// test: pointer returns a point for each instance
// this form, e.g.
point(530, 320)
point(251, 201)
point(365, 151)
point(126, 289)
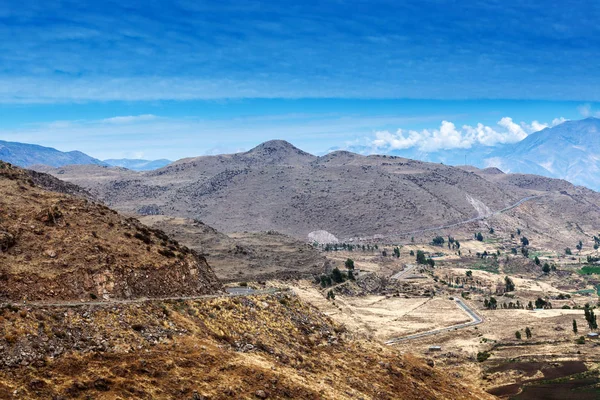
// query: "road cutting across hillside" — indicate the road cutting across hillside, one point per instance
point(453, 225)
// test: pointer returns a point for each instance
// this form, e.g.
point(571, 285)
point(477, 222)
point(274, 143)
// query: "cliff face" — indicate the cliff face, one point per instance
point(55, 246)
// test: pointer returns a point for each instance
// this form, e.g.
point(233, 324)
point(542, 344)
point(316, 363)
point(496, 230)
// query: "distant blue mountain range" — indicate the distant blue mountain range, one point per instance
point(138, 165)
point(27, 155)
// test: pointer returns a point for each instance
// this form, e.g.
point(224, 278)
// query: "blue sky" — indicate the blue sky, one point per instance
point(181, 78)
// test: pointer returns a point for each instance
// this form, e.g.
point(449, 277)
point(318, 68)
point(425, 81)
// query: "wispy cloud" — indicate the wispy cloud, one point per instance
point(67, 51)
point(586, 111)
point(129, 119)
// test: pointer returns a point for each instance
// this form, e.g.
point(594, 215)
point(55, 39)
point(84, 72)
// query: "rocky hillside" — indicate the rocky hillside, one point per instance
point(258, 347)
point(55, 246)
point(279, 187)
point(244, 256)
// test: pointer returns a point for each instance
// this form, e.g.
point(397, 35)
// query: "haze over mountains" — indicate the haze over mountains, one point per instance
point(567, 151)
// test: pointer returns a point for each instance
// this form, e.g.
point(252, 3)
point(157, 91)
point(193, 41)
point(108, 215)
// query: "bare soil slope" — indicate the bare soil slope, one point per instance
point(243, 256)
point(60, 247)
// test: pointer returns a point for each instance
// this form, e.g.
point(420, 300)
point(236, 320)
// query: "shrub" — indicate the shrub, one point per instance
point(483, 355)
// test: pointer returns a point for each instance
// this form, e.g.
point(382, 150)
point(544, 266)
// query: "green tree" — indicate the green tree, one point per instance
point(574, 326)
point(330, 295)
point(469, 273)
point(546, 268)
point(336, 276)
point(421, 257)
point(431, 262)
point(524, 241)
point(510, 285)
point(349, 264)
point(479, 236)
point(537, 260)
point(528, 333)
point(351, 275)
point(397, 252)
point(518, 335)
point(568, 251)
point(438, 241)
point(491, 231)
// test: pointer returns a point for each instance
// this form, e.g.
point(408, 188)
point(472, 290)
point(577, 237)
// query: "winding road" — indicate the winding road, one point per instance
point(455, 224)
point(476, 320)
point(110, 303)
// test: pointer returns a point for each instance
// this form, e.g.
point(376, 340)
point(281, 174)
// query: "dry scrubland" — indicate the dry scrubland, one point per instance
point(56, 248)
point(251, 347)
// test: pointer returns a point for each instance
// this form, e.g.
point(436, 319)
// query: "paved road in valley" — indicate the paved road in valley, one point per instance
point(403, 273)
point(476, 320)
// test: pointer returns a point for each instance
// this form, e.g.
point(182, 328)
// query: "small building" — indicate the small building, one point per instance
point(435, 348)
point(592, 335)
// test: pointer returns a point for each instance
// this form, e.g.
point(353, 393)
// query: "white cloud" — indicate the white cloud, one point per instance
point(129, 119)
point(447, 136)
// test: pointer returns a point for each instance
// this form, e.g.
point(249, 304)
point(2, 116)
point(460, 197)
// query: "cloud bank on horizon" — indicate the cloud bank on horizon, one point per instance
point(448, 137)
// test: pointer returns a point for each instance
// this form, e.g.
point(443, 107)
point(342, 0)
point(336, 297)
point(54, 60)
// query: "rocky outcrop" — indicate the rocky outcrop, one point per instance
point(55, 246)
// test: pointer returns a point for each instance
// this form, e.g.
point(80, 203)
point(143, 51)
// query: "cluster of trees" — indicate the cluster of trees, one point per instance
point(347, 247)
point(590, 317)
point(485, 254)
point(492, 304)
point(336, 276)
point(596, 242)
point(453, 244)
point(438, 241)
point(421, 259)
point(528, 333)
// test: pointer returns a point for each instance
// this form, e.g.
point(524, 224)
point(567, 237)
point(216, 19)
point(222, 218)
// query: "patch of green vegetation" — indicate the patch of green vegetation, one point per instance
point(590, 270)
point(486, 265)
point(546, 254)
point(583, 291)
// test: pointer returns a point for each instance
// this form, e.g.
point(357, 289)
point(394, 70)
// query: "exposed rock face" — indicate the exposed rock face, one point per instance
point(322, 237)
point(60, 247)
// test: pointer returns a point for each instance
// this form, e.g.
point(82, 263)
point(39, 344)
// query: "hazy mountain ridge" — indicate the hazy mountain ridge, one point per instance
point(25, 155)
point(568, 151)
point(137, 164)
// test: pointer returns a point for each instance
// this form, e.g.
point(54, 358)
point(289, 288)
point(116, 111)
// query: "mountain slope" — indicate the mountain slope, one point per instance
point(137, 164)
point(346, 194)
point(25, 155)
point(59, 247)
point(568, 151)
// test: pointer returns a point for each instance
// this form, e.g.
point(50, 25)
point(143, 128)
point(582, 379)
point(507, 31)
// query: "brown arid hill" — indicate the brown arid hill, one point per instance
point(257, 347)
point(279, 187)
point(244, 256)
point(55, 246)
